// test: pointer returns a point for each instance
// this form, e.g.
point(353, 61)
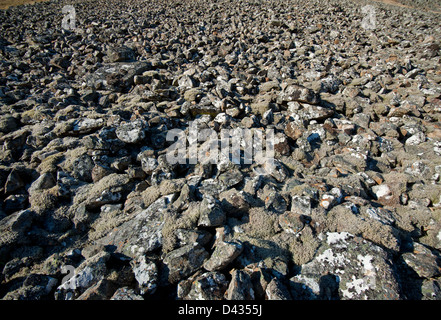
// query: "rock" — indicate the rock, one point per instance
point(35, 287)
point(276, 290)
point(382, 191)
point(224, 253)
point(14, 203)
point(45, 181)
point(116, 76)
point(146, 274)
point(299, 93)
point(184, 261)
point(89, 273)
point(293, 130)
point(148, 162)
point(363, 270)
point(102, 290)
point(431, 289)
point(14, 230)
point(125, 293)
point(208, 286)
point(291, 222)
point(108, 190)
point(8, 124)
point(13, 182)
point(132, 132)
point(211, 213)
point(240, 287)
point(84, 117)
point(424, 262)
point(142, 234)
point(120, 54)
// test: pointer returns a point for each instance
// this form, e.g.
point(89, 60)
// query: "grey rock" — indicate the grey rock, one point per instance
point(276, 290)
point(86, 275)
point(208, 286)
point(363, 270)
point(13, 182)
point(240, 287)
point(299, 93)
point(116, 76)
point(211, 213)
point(423, 261)
point(120, 54)
point(126, 293)
point(8, 124)
point(184, 261)
point(132, 132)
point(35, 287)
point(142, 234)
point(224, 253)
point(146, 274)
point(431, 289)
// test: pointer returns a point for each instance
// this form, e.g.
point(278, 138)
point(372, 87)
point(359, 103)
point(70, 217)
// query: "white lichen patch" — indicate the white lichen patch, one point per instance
point(335, 260)
point(355, 288)
point(337, 238)
point(366, 262)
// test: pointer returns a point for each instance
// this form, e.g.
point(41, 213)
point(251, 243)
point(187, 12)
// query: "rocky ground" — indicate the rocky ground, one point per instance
point(91, 209)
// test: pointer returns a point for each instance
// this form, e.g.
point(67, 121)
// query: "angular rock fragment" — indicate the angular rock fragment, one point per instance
point(184, 261)
point(363, 269)
point(224, 253)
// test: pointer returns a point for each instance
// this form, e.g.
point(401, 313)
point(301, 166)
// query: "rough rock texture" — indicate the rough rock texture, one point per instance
point(91, 207)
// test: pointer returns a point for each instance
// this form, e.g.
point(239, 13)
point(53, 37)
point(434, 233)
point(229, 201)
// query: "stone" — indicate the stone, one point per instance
point(211, 213)
point(363, 270)
point(240, 287)
point(126, 293)
point(291, 222)
point(298, 93)
point(132, 132)
point(184, 261)
point(431, 289)
point(86, 275)
point(423, 261)
point(140, 235)
point(208, 286)
point(13, 182)
point(224, 253)
point(120, 54)
point(276, 290)
point(146, 274)
point(35, 287)
point(8, 124)
point(117, 76)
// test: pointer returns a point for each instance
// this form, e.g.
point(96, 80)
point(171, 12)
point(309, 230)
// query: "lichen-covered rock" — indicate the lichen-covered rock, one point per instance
point(141, 234)
point(125, 293)
point(224, 253)
point(240, 287)
point(184, 261)
point(86, 275)
point(211, 213)
point(363, 269)
point(208, 286)
point(146, 274)
point(423, 261)
point(132, 132)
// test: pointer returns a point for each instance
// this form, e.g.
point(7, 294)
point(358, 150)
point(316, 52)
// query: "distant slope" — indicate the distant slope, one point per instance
point(4, 4)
